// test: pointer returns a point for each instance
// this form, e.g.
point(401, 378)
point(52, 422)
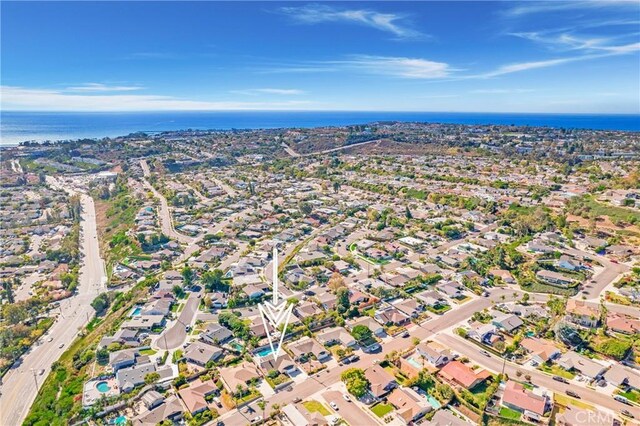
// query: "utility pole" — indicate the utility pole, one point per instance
point(35, 378)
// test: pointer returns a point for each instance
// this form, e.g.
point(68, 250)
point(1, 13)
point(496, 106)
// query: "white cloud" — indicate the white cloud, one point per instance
point(567, 41)
point(533, 7)
point(269, 91)
point(27, 99)
point(397, 66)
point(99, 87)
point(387, 22)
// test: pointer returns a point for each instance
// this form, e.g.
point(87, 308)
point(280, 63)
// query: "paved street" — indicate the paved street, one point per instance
point(495, 364)
point(175, 336)
point(166, 222)
point(326, 378)
point(19, 384)
point(350, 411)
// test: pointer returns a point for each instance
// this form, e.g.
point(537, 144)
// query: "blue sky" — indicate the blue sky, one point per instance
point(576, 57)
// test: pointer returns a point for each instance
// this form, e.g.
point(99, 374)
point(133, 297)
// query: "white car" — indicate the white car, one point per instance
point(256, 419)
point(346, 397)
point(61, 345)
point(334, 405)
point(50, 339)
point(41, 372)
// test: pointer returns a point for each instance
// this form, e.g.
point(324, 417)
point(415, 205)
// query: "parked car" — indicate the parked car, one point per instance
point(256, 419)
point(622, 399)
point(405, 334)
point(354, 358)
point(572, 394)
point(334, 405)
point(560, 379)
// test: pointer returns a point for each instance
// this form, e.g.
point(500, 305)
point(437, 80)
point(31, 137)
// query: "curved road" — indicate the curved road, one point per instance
point(166, 223)
point(175, 336)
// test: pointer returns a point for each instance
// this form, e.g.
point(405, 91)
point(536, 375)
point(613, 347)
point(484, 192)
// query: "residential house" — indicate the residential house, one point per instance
point(306, 347)
point(502, 274)
point(409, 405)
point(368, 322)
point(451, 289)
point(194, 395)
point(409, 307)
point(391, 316)
point(583, 313)
point(572, 361)
point(171, 409)
point(623, 324)
point(381, 381)
point(436, 354)
point(506, 322)
point(532, 405)
point(216, 334)
point(541, 350)
point(122, 359)
point(460, 374)
point(336, 335)
point(201, 353)
point(554, 278)
point(283, 364)
point(447, 418)
point(482, 332)
point(239, 376)
point(621, 376)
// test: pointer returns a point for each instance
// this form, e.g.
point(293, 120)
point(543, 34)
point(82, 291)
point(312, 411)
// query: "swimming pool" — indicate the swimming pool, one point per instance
point(103, 387)
point(136, 311)
point(122, 420)
point(414, 363)
point(433, 402)
point(264, 352)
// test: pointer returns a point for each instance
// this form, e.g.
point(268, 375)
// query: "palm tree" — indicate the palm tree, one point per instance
point(262, 404)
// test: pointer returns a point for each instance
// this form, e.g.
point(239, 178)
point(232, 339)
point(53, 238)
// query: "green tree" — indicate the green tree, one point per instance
point(188, 275)
point(343, 300)
point(361, 333)
point(101, 303)
point(151, 378)
point(356, 382)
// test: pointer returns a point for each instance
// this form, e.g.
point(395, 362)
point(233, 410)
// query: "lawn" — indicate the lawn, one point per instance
point(148, 352)
point(566, 402)
point(557, 371)
point(632, 395)
point(381, 409)
point(441, 309)
point(313, 406)
point(509, 413)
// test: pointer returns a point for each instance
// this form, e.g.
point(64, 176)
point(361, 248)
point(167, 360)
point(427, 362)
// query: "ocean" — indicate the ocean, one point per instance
point(16, 127)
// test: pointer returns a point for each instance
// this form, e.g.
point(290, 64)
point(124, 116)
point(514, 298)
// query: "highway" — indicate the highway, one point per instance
point(19, 384)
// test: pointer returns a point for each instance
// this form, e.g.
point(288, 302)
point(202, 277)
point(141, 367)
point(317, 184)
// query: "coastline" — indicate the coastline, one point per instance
point(17, 127)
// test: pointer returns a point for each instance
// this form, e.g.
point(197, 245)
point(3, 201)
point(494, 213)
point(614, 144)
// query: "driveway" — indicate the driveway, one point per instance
point(350, 411)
